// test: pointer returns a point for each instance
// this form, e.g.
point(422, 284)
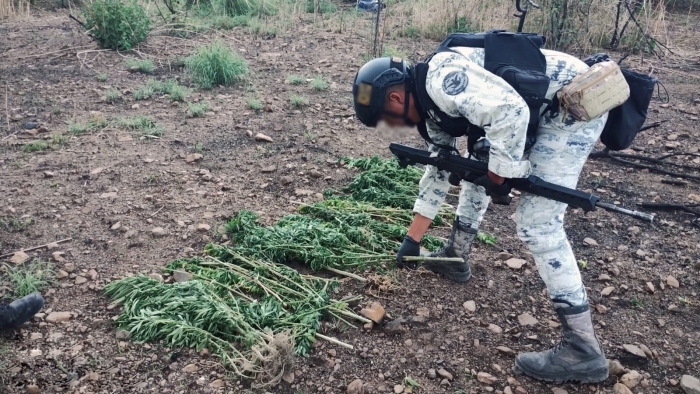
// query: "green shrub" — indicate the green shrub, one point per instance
point(172, 88)
point(320, 6)
point(299, 101)
point(216, 64)
point(197, 110)
point(224, 22)
point(117, 24)
point(254, 104)
point(145, 66)
point(319, 84)
point(296, 80)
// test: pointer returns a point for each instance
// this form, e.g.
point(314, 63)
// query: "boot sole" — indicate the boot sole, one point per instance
point(451, 276)
point(595, 376)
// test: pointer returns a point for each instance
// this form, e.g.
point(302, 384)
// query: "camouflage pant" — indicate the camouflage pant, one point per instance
point(558, 157)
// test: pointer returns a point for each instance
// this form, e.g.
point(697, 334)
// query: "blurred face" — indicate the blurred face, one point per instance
point(395, 104)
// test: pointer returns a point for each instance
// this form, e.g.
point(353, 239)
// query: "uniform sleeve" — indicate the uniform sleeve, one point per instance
point(462, 88)
point(434, 185)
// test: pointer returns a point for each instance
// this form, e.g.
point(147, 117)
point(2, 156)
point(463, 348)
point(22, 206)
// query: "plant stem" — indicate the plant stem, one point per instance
point(333, 340)
point(345, 273)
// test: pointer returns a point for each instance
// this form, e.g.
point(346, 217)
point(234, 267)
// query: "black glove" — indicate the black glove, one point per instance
point(409, 247)
point(498, 193)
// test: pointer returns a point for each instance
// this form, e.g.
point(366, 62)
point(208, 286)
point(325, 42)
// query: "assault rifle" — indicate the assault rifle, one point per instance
point(468, 170)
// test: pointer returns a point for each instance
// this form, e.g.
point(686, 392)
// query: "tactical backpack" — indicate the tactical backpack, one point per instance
point(515, 57)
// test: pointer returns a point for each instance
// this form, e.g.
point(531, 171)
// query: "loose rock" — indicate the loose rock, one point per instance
point(635, 350)
point(515, 264)
point(485, 377)
point(506, 350)
point(590, 242)
point(263, 137)
point(470, 306)
point(194, 157)
point(158, 232)
point(375, 312)
point(182, 276)
point(671, 281)
point(432, 374)
point(690, 384)
point(33, 389)
point(602, 309)
point(57, 317)
point(398, 389)
point(607, 291)
point(19, 257)
point(631, 379)
point(495, 329)
point(203, 227)
point(288, 377)
point(620, 388)
point(79, 280)
point(268, 169)
point(218, 383)
point(190, 368)
point(558, 390)
point(527, 320)
point(355, 387)
point(443, 373)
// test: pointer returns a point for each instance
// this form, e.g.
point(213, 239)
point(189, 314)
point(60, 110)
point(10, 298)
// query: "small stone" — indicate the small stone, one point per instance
point(398, 389)
point(35, 353)
point(116, 226)
point(527, 320)
point(123, 334)
point(602, 309)
point(157, 277)
point(35, 335)
point(423, 311)
point(432, 374)
point(375, 312)
point(673, 382)
point(671, 281)
point(268, 169)
point(495, 329)
point(194, 157)
point(520, 390)
point(158, 232)
point(620, 388)
point(485, 377)
point(108, 195)
point(288, 377)
point(558, 390)
point(631, 379)
point(33, 389)
point(57, 317)
point(506, 350)
point(503, 256)
point(332, 352)
point(393, 327)
point(635, 350)
point(604, 277)
point(19, 257)
point(443, 373)
point(203, 227)
point(646, 350)
point(135, 106)
point(96, 171)
point(190, 368)
point(79, 280)
point(607, 291)
point(515, 264)
point(690, 384)
point(218, 383)
point(182, 276)
point(615, 368)
point(49, 174)
point(650, 287)
point(263, 137)
point(60, 274)
point(470, 306)
point(507, 390)
point(590, 242)
point(69, 267)
point(58, 257)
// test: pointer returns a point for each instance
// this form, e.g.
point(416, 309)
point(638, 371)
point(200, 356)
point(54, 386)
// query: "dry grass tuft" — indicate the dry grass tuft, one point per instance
point(13, 8)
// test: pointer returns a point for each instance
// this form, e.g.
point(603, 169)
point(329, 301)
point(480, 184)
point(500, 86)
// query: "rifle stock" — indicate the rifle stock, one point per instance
point(469, 170)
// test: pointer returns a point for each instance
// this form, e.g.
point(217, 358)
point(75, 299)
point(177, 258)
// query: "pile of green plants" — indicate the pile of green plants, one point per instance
point(117, 24)
point(243, 301)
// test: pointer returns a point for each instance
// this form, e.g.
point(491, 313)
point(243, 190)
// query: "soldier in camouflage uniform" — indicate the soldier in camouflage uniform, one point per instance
point(460, 86)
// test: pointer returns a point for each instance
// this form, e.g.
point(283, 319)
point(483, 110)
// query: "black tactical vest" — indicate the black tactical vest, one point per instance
point(515, 57)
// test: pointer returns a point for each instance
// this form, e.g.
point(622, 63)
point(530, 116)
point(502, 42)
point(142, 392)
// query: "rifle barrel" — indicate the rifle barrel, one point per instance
point(639, 215)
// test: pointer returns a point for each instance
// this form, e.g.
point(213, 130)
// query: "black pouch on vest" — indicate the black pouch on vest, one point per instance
point(625, 121)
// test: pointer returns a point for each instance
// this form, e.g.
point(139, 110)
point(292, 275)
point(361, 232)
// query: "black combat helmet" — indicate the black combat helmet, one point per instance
point(371, 83)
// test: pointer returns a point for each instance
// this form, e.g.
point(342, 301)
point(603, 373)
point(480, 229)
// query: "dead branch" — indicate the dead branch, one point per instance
point(690, 208)
point(36, 247)
point(618, 157)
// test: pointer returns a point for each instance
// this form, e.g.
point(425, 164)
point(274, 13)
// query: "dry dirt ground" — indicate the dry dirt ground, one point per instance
point(83, 188)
